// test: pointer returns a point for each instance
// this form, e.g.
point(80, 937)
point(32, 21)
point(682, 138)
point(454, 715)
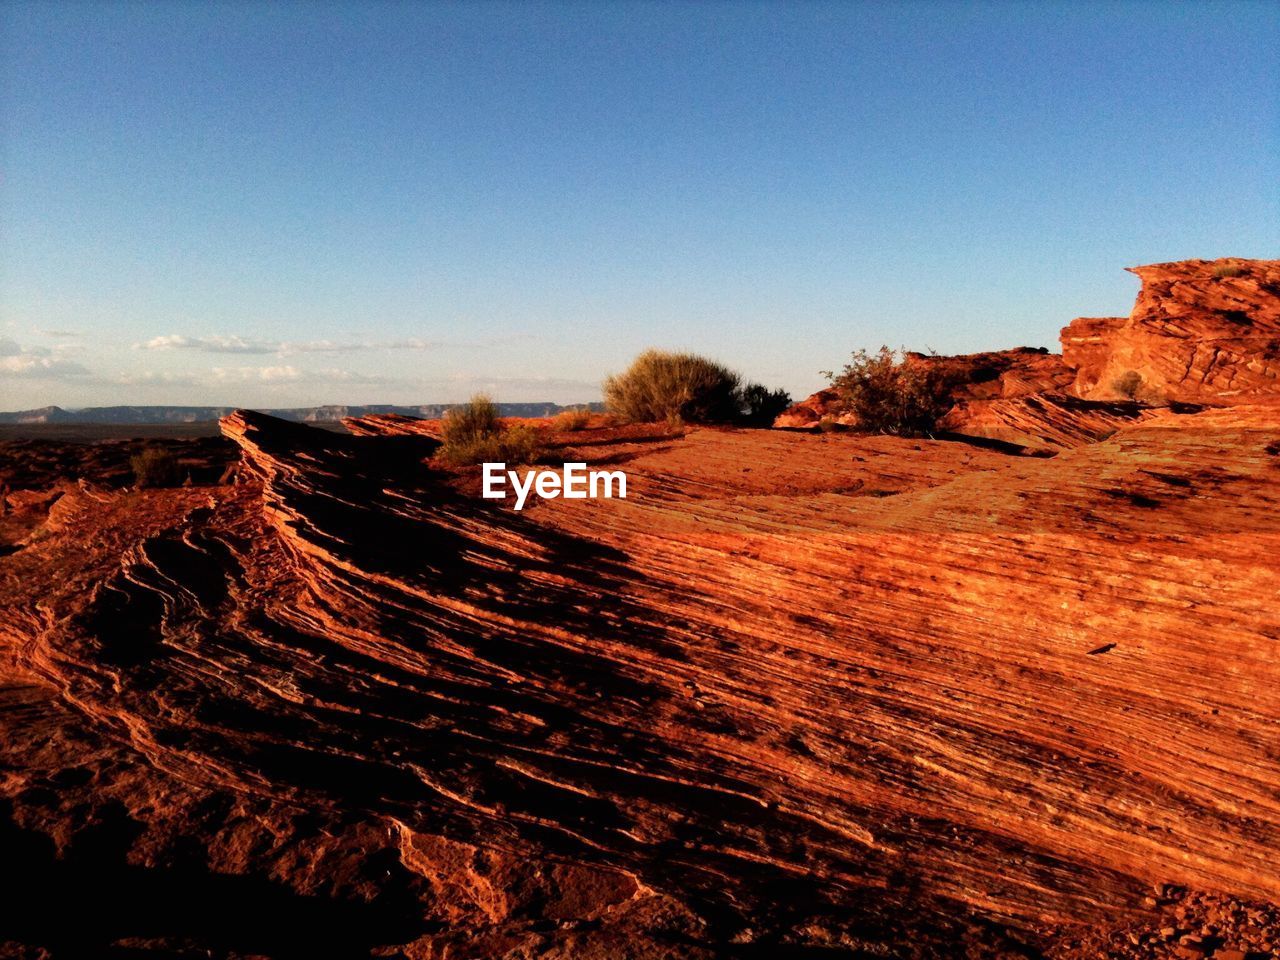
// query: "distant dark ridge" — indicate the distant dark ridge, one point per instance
point(330, 413)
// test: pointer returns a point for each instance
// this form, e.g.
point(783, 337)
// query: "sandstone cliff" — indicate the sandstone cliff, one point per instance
point(1202, 331)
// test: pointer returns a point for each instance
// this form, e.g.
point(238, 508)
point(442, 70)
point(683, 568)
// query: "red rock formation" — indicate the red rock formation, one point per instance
point(392, 425)
point(812, 692)
point(975, 376)
point(826, 694)
point(1202, 331)
point(1086, 345)
point(1046, 422)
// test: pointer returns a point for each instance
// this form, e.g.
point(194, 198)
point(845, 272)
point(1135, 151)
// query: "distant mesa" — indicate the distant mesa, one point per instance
point(329, 413)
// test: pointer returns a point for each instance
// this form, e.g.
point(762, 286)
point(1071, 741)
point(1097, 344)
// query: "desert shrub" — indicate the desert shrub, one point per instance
point(760, 405)
point(675, 387)
point(1223, 270)
point(1128, 384)
point(474, 420)
point(519, 443)
point(155, 467)
point(890, 392)
point(473, 433)
point(574, 419)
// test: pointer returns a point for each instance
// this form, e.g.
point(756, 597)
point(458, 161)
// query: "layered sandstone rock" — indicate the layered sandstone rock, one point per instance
point(1203, 331)
point(1086, 347)
point(832, 694)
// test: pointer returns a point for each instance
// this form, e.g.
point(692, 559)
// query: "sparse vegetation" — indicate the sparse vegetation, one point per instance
point(680, 388)
point(890, 392)
point(155, 467)
point(674, 387)
point(760, 405)
point(474, 420)
point(574, 419)
point(1128, 384)
point(473, 433)
point(1224, 270)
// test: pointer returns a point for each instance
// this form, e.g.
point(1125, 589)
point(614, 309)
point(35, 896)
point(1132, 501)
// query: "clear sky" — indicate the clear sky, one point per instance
point(299, 203)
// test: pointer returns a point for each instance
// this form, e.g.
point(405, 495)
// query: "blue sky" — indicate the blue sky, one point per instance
point(289, 204)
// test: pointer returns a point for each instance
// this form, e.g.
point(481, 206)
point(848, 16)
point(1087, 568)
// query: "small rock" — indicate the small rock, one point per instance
point(1232, 954)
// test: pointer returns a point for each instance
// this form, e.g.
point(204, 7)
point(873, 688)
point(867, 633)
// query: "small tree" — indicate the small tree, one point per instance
point(674, 386)
point(891, 392)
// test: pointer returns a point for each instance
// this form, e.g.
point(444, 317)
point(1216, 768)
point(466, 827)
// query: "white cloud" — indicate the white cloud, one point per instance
point(30, 365)
point(19, 361)
point(217, 344)
point(290, 374)
point(149, 378)
point(235, 343)
point(279, 374)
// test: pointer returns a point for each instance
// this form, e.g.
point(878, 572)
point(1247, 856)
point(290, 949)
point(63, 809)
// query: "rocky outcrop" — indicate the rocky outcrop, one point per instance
point(1086, 346)
point(823, 405)
point(1045, 422)
point(1002, 374)
point(798, 693)
point(392, 425)
point(1204, 331)
point(975, 376)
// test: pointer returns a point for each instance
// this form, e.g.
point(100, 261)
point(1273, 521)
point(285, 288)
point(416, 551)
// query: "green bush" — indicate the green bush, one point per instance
point(890, 392)
point(674, 387)
point(473, 433)
point(760, 405)
point(155, 467)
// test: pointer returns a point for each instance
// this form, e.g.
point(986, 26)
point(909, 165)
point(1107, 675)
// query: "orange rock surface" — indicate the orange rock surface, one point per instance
point(799, 694)
point(1202, 331)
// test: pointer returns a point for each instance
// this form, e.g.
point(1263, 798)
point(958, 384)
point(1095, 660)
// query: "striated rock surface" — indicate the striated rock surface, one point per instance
point(1086, 346)
point(798, 694)
point(1201, 331)
point(1047, 422)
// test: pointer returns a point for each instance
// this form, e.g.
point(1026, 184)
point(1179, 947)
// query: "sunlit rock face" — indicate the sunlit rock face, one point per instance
point(820, 693)
point(1202, 331)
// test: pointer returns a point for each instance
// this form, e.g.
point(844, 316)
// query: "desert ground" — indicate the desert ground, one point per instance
point(1009, 691)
